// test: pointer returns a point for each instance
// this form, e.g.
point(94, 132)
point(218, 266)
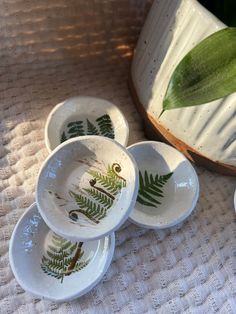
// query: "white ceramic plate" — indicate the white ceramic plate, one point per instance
point(169, 186)
point(37, 256)
point(79, 116)
point(87, 187)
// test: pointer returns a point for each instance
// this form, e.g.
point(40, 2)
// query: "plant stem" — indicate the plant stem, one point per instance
point(74, 259)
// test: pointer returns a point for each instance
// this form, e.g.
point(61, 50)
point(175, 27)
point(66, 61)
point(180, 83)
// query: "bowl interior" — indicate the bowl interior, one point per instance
point(87, 187)
point(168, 185)
point(50, 266)
point(80, 116)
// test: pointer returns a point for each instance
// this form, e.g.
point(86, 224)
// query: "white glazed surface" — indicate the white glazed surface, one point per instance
point(67, 169)
point(173, 28)
point(82, 108)
point(181, 192)
point(29, 243)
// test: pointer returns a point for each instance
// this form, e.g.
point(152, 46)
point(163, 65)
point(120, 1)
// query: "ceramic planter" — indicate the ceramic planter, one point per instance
point(168, 186)
point(87, 188)
point(78, 116)
point(206, 133)
point(51, 267)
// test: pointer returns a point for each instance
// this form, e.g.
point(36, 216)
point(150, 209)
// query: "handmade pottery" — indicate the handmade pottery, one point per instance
point(168, 185)
point(80, 116)
point(52, 267)
point(205, 133)
point(87, 187)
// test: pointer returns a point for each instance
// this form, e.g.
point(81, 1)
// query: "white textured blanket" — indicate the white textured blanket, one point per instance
point(49, 52)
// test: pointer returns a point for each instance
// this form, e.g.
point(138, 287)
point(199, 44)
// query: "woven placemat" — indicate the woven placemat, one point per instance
point(52, 50)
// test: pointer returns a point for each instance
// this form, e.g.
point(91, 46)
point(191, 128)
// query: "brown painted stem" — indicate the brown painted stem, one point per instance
point(93, 182)
point(117, 168)
point(74, 259)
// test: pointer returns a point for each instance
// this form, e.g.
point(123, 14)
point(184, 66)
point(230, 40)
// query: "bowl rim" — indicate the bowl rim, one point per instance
point(195, 198)
point(63, 103)
point(126, 212)
point(72, 296)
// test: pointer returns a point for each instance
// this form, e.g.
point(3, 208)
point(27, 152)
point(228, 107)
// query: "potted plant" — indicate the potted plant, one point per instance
point(206, 133)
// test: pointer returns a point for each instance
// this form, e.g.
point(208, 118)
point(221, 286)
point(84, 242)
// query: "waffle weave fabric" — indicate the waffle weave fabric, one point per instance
point(52, 50)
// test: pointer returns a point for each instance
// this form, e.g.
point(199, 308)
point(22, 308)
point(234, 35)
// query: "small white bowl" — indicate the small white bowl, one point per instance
point(79, 116)
point(37, 256)
point(87, 187)
point(169, 187)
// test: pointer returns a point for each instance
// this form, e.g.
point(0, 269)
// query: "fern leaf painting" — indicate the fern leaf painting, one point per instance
point(63, 137)
point(62, 258)
point(105, 126)
point(75, 129)
point(91, 128)
point(88, 208)
point(102, 126)
point(151, 188)
point(112, 185)
point(102, 198)
point(93, 202)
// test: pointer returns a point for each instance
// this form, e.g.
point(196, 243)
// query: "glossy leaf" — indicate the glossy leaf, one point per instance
point(206, 73)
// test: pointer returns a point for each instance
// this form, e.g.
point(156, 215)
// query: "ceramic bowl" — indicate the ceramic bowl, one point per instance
point(87, 187)
point(80, 116)
point(168, 185)
point(51, 267)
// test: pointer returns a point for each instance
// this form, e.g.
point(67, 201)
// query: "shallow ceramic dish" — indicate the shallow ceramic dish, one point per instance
point(52, 267)
point(80, 116)
point(168, 185)
point(87, 187)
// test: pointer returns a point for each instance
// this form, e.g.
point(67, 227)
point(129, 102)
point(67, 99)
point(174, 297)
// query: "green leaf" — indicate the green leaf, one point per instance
point(151, 188)
point(111, 184)
point(59, 258)
point(76, 128)
point(206, 73)
point(100, 197)
point(90, 209)
point(91, 129)
point(105, 126)
point(63, 137)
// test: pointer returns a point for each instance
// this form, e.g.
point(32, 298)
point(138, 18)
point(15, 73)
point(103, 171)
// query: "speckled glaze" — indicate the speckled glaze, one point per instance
point(173, 28)
point(169, 189)
point(58, 285)
point(87, 116)
point(87, 188)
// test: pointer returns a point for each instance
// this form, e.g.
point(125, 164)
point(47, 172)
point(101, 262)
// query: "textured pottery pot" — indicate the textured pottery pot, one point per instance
point(87, 187)
point(51, 267)
point(78, 116)
point(168, 186)
point(205, 133)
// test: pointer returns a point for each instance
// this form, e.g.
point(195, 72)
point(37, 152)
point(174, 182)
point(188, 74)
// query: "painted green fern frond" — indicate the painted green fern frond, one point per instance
point(109, 183)
point(151, 188)
point(91, 128)
point(63, 137)
point(75, 128)
point(79, 266)
point(89, 208)
point(52, 272)
point(112, 173)
point(105, 126)
point(63, 260)
point(100, 197)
